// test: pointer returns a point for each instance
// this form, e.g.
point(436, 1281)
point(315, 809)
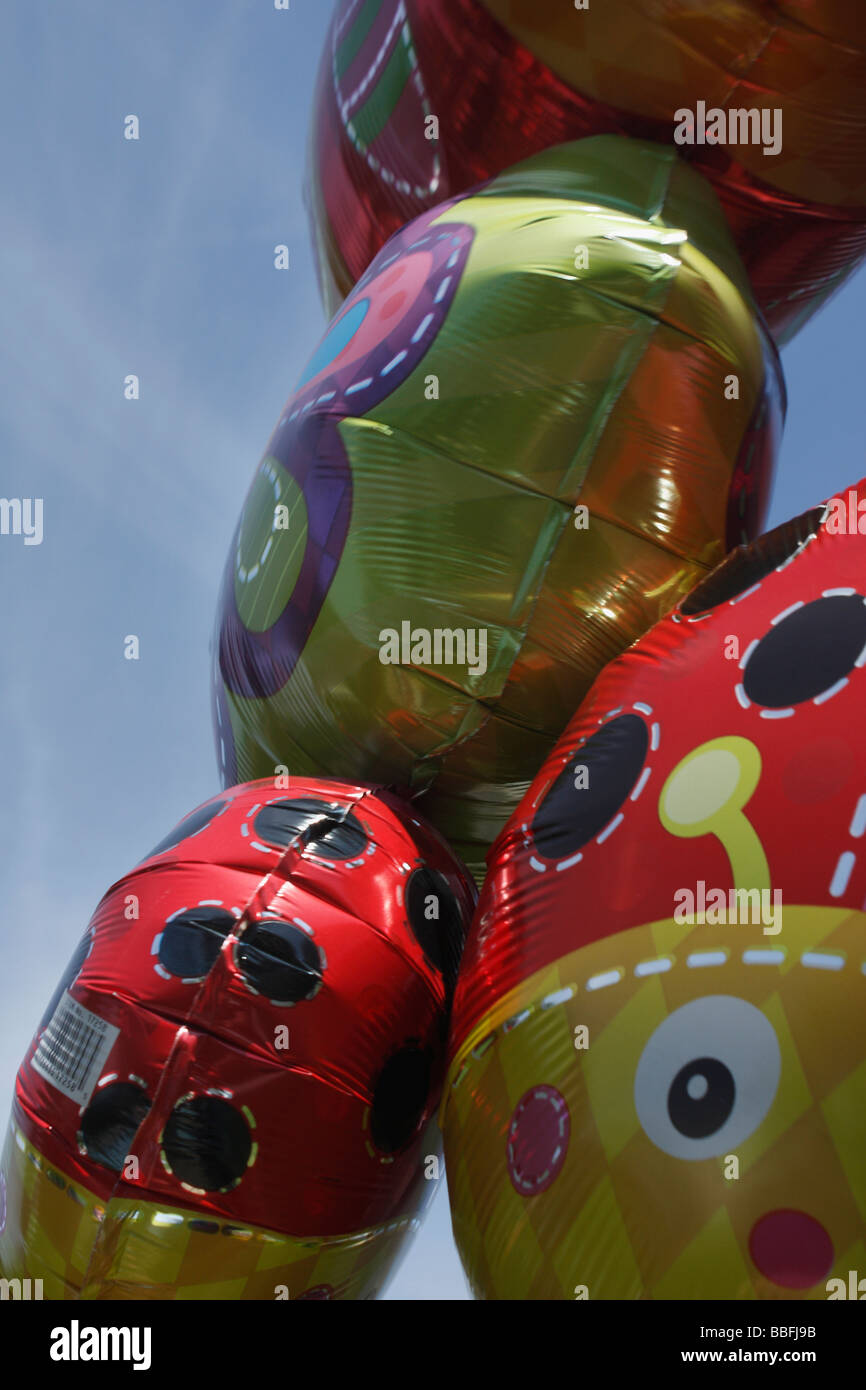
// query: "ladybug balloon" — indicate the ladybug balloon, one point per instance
point(230, 1094)
point(657, 1083)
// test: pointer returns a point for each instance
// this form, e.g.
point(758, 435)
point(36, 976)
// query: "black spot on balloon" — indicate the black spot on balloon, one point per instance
point(279, 960)
point(191, 825)
point(699, 1115)
point(569, 816)
point(190, 942)
point(807, 652)
point(330, 831)
point(399, 1099)
point(207, 1143)
point(440, 937)
point(69, 976)
point(205, 1228)
point(111, 1121)
point(749, 564)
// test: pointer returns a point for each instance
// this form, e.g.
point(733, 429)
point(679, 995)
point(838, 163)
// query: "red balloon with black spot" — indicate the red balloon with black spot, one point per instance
point(257, 1013)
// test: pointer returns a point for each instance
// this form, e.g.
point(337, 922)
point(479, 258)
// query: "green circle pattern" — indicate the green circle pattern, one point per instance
point(271, 545)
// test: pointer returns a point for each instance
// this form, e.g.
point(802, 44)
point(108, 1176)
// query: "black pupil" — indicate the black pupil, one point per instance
point(700, 1109)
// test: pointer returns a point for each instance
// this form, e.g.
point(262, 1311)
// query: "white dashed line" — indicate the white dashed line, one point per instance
point(858, 821)
point(786, 613)
point(828, 694)
point(745, 594)
point(653, 967)
point(559, 996)
point(395, 362)
point(698, 959)
point(422, 328)
point(568, 863)
point(511, 1023)
point(607, 977)
point(822, 960)
point(842, 873)
point(642, 781)
point(617, 820)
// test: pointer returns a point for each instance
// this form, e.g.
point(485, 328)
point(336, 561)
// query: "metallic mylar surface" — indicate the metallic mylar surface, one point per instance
point(271, 986)
point(645, 1105)
point(561, 337)
point(507, 78)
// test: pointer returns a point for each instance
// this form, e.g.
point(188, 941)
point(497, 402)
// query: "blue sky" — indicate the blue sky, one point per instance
point(156, 257)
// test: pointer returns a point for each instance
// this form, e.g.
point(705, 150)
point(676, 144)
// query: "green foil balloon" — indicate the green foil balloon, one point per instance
point(544, 411)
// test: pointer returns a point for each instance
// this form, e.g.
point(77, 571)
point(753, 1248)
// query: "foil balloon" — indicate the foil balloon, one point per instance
point(657, 1082)
point(230, 1093)
point(765, 98)
point(544, 412)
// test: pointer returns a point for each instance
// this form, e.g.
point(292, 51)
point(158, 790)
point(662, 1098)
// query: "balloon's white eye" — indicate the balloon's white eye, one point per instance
point(707, 1077)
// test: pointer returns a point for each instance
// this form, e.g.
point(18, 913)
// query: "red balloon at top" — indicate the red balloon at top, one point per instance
point(418, 100)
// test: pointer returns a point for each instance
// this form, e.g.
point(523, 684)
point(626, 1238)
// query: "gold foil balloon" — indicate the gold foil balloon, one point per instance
point(545, 410)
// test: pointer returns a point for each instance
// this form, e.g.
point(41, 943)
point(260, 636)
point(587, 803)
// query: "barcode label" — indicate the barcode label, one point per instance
point(74, 1048)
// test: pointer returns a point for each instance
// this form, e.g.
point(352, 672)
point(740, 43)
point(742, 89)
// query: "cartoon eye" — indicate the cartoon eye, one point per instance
point(808, 653)
point(613, 757)
point(749, 564)
point(707, 1077)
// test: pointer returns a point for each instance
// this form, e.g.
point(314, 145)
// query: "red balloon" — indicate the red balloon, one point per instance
point(797, 214)
point(665, 973)
point(246, 1053)
point(770, 648)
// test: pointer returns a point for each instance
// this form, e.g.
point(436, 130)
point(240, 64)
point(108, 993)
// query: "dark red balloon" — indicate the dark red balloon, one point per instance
point(797, 216)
